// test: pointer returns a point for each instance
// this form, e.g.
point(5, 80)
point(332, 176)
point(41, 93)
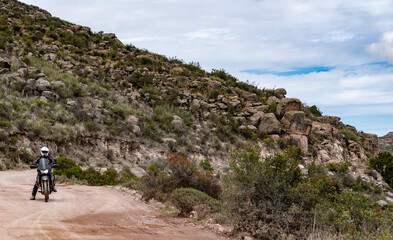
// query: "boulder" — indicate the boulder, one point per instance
point(272, 100)
point(138, 172)
point(215, 85)
point(57, 84)
point(280, 92)
point(42, 85)
point(322, 129)
point(250, 97)
point(296, 122)
point(255, 119)
point(269, 124)
point(178, 124)
point(288, 104)
point(196, 84)
point(301, 141)
point(382, 203)
point(50, 95)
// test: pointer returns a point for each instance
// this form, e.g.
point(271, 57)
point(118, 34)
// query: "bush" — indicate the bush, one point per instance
point(261, 193)
point(315, 110)
point(177, 171)
point(349, 135)
point(340, 167)
point(185, 199)
point(68, 168)
point(383, 163)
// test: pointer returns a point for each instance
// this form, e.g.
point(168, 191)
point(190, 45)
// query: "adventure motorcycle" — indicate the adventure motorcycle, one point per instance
point(45, 178)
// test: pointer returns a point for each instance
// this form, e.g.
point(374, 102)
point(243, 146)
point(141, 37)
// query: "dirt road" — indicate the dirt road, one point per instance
point(82, 212)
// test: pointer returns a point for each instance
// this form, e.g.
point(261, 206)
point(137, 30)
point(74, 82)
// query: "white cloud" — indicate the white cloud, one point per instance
point(383, 48)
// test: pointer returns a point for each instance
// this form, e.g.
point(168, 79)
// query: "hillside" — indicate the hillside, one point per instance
point(88, 96)
point(386, 143)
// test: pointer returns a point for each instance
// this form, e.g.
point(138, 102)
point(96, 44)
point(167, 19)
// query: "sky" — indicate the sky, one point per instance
point(336, 54)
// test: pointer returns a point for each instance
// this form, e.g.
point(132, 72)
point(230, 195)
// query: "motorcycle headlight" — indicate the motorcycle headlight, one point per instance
point(46, 171)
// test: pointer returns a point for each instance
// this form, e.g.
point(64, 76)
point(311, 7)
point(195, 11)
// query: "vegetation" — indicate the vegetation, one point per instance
point(68, 168)
point(177, 171)
point(186, 199)
point(383, 163)
point(273, 193)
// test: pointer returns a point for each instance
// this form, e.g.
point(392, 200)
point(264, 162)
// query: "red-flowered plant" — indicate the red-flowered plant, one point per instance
point(186, 173)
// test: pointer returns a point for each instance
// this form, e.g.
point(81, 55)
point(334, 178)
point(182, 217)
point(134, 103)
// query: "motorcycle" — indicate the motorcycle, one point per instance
point(45, 178)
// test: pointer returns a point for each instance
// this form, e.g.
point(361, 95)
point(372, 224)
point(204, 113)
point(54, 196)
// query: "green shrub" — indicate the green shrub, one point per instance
point(68, 168)
point(177, 172)
point(185, 199)
point(383, 163)
point(262, 193)
point(315, 110)
point(350, 135)
point(140, 80)
point(205, 164)
point(340, 167)
point(5, 124)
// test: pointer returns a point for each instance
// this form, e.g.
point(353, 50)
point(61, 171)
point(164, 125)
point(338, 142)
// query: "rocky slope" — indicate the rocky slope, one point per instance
point(89, 97)
point(386, 143)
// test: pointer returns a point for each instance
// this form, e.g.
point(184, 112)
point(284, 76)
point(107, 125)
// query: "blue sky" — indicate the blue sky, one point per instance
point(335, 54)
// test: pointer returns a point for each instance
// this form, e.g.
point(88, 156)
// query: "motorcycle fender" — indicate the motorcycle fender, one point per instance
point(45, 178)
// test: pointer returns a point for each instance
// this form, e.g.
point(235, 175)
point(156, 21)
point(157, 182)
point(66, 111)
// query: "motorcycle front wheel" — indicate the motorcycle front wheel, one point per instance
point(46, 190)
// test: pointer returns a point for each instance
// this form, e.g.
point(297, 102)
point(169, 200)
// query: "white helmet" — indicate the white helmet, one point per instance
point(44, 151)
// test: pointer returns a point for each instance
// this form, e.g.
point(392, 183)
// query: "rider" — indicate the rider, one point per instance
point(44, 154)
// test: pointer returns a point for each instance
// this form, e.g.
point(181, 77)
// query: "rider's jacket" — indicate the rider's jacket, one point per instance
point(51, 160)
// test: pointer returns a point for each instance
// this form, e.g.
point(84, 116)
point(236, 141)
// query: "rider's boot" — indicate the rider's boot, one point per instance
point(54, 189)
point(32, 197)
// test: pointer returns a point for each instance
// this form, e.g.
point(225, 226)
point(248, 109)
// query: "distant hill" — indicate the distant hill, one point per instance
point(88, 96)
point(386, 143)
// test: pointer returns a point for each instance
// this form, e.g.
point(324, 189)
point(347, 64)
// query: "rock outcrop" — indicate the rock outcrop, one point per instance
point(386, 143)
point(85, 93)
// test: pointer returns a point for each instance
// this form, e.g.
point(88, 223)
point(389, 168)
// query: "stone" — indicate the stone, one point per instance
point(138, 171)
point(288, 104)
point(41, 16)
point(71, 103)
point(269, 124)
point(42, 85)
point(50, 95)
point(272, 100)
point(195, 84)
point(249, 127)
point(167, 140)
point(178, 124)
point(50, 57)
point(296, 122)
point(255, 119)
point(382, 203)
point(281, 92)
point(136, 129)
point(132, 119)
point(389, 200)
point(5, 63)
point(322, 129)
point(57, 84)
point(222, 106)
point(250, 96)
point(215, 85)
point(301, 141)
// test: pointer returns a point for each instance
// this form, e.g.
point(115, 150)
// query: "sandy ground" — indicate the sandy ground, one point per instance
point(83, 212)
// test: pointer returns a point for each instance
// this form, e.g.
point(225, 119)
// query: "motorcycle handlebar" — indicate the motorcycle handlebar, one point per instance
point(33, 166)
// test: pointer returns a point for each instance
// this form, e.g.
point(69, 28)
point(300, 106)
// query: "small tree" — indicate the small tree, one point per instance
point(383, 163)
